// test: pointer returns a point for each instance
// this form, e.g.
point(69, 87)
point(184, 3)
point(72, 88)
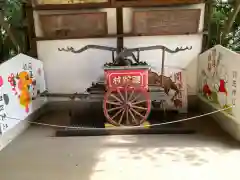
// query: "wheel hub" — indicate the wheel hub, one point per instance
point(127, 105)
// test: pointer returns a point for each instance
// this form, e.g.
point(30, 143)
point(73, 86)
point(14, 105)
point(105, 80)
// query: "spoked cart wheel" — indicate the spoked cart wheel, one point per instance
point(126, 106)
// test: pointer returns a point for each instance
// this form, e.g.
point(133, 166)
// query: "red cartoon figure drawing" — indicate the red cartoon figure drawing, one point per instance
point(221, 86)
point(1, 81)
point(205, 87)
point(207, 91)
point(12, 82)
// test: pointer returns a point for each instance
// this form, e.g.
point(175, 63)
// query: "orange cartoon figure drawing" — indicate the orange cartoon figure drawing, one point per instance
point(24, 83)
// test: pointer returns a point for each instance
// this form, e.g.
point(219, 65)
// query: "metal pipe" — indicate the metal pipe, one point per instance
point(163, 61)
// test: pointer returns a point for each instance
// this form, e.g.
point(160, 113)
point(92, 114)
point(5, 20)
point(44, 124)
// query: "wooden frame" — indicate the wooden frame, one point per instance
point(69, 6)
point(115, 4)
point(105, 36)
point(145, 3)
point(177, 29)
point(65, 2)
point(63, 26)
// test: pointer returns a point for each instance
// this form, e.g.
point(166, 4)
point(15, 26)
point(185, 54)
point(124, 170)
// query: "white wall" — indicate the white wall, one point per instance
point(69, 73)
point(15, 112)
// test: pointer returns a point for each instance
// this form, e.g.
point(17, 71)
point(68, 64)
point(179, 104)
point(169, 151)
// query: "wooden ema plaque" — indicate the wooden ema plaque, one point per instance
point(166, 22)
point(74, 25)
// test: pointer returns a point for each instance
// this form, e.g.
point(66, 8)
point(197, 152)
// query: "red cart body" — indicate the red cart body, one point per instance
point(127, 100)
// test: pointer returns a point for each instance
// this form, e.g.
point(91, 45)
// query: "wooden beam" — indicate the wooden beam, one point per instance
point(107, 36)
point(117, 4)
point(142, 3)
point(72, 6)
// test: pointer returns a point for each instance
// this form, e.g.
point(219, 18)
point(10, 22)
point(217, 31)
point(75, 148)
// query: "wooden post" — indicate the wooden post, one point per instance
point(208, 23)
point(31, 30)
point(119, 19)
point(163, 64)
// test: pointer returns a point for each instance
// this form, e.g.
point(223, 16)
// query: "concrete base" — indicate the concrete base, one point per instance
point(10, 135)
point(194, 104)
point(227, 122)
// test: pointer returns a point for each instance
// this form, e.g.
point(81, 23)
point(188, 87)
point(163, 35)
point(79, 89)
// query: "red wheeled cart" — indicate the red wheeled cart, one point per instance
point(127, 100)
